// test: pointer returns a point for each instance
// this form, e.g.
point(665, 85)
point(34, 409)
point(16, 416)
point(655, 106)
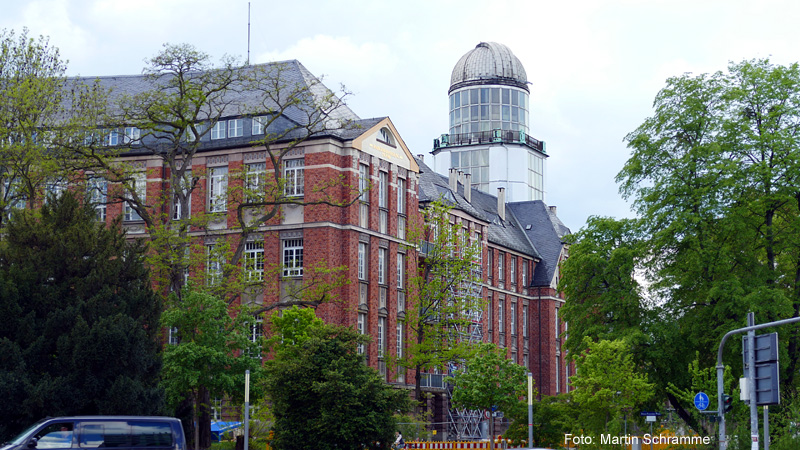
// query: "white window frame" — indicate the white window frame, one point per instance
point(294, 176)
point(140, 186)
point(382, 253)
point(525, 273)
point(399, 339)
point(214, 265)
point(401, 271)
point(501, 258)
point(401, 196)
point(512, 269)
point(361, 325)
point(132, 135)
point(218, 189)
point(112, 138)
point(172, 338)
point(218, 130)
point(383, 189)
point(524, 320)
point(292, 250)
point(501, 325)
point(381, 336)
point(258, 125)
point(253, 261)
point(363, 181)
point(255, 180)
point(513, 319)
point(235, 128)
point(98, 196)
point(363, 264)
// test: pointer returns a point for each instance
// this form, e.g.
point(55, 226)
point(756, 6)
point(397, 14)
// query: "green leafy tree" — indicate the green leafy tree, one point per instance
point(80, 330)
point(213, 351)
point(445, 294)
point(489, 382)
point(551, 420)
point(322, 394)
point(608, 384)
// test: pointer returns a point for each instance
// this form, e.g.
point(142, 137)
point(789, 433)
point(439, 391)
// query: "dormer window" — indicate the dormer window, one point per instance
point(386, 137)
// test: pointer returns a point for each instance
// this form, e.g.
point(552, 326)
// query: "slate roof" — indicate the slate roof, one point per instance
point(240, 100)
point(546, 231)
point(505, 233)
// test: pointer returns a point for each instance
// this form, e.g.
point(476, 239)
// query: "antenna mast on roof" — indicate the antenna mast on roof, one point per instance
point(248, 34)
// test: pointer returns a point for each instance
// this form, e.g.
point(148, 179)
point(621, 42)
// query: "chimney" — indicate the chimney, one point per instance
point(421, 157)
point(468, 187)
point(453, 181)
point(553, 210)
point(501, 203)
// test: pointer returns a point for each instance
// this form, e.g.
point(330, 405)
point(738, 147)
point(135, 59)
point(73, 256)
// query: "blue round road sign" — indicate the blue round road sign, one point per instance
point(701, 401)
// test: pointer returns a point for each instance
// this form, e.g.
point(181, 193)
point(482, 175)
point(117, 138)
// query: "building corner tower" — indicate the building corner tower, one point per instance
point(489, 126)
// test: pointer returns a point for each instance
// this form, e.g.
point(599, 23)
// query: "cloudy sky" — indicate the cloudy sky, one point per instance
point(594, 65)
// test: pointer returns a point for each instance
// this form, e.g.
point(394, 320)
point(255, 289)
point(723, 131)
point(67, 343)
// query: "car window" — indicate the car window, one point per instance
point(104, 434)
point(55, 435)
point(151, 434)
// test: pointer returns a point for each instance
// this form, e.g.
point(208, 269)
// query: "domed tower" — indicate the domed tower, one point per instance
point(489, 115)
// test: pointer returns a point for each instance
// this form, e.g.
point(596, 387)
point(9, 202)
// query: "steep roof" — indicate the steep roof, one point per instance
point(244, 97)
point(546, 231)
point(507, 233)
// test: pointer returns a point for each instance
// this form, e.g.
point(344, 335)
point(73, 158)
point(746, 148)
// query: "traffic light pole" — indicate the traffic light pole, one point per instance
point(723, 438)
point(751, 381)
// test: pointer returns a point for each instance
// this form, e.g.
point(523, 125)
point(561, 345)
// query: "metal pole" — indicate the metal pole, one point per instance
point(766, 427)
point(530, 410)
point(246, 407)
point(751, 381)
point(723, 440)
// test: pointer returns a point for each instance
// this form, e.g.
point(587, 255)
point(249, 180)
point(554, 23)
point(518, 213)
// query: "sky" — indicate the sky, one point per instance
point(594, 66)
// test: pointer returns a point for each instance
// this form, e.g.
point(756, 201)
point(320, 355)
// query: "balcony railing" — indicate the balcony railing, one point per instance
point(489, 137)
point(432, 380)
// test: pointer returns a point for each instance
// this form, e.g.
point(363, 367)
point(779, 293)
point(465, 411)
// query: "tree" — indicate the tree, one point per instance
point(489, 382)
point(40, 115)
point(214, 349)
point(80, 332)
point(322, 393)
point(607, 383)
point(445, 294)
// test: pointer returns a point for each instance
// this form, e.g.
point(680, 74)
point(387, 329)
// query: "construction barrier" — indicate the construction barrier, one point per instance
point(459, 445)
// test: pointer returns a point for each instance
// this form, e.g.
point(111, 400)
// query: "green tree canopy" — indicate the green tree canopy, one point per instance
point(323, 395)
point(80, 330)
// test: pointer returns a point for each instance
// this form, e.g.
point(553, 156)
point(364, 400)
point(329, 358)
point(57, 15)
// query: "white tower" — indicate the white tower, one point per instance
point(489, 116)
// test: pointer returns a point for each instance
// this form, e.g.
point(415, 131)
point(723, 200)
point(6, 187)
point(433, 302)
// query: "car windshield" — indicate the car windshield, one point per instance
point(22, 436)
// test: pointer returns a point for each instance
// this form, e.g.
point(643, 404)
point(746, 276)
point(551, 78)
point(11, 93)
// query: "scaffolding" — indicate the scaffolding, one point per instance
point(466, 423)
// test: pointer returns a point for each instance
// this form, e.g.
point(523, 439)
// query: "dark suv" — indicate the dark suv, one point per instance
point(92, 432)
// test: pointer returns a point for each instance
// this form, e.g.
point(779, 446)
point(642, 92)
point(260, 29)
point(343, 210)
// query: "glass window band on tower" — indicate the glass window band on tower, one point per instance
point(488, 108)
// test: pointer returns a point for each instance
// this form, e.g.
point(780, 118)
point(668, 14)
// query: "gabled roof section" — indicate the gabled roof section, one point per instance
point(379, 137)
point(546, 231)
point(505, 233)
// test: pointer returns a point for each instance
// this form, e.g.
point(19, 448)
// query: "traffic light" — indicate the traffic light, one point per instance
point(727, 403)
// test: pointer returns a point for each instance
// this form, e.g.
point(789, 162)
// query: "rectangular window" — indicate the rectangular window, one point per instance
point(293, 173)
point(254, 261)
point(362, 329)
point(501, 259)
point(558, 374)
point(381, 336)
point(292, 257)
point(218, 189)
point(382, 266)
point(218, 130)
point(258, 125)
point(362, 261)
point(98, 191)
point(401, 196)
point(139, 186)
point(490, 259)
point(401, 270)
point(525, 320)
point(236, 128)
point(363, 215)
point(558, 325)
point(173, 336)
point(401, 301)
point(513, 319)
point(490, 313)
point(512, 269)
point(255, 180)
point(363, 181)
point(383, 221)
point(256, 329)
point(112, 138)
point(214, 263)
point(401, 227)
point(132, 135)
point(185, 186)
point(525, 273)
point(383, 190)
point(501, 326)
point(399, 340)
